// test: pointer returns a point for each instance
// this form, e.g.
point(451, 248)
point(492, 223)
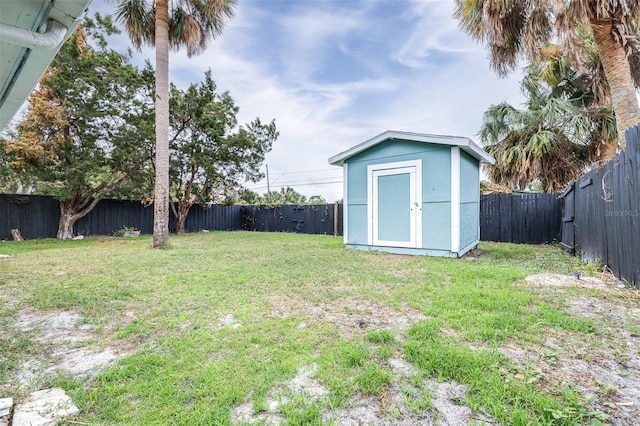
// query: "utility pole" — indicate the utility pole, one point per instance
point(268, 188)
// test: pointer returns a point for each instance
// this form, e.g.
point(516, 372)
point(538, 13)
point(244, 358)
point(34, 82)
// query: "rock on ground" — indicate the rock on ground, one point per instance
point(43, 408)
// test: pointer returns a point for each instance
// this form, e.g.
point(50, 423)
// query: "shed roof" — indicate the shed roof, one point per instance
point(466, 144)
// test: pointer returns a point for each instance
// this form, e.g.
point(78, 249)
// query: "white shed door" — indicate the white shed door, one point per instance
point(395, 204)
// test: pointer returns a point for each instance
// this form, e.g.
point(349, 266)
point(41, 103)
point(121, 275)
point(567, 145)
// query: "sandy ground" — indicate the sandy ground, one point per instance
point(606, 371)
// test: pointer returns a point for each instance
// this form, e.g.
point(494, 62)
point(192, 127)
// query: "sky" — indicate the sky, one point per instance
point(334, 73)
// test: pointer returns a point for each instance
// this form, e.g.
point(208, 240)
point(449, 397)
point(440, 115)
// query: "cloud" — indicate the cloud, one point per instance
point(434, 31)
point(335, 73)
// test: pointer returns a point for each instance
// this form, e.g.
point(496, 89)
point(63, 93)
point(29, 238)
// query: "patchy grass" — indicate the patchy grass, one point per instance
point(219, 320)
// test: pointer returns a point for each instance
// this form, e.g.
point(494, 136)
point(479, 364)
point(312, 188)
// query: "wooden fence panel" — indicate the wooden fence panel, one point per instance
point(109, 216)
point(520, 218)
point(304, 219)
point(532, 218)
point(606, 205)
point(214, 217)
point(35, 216)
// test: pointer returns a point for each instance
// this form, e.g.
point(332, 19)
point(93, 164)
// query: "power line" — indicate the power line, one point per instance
point(281, 175)
point(255, 188)
point(335, 169)
point(300, 182)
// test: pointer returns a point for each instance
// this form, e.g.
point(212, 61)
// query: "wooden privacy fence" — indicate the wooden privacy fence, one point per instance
point(602, 213)
point(37, 217)
point(531, 218)
point(34, 215)
point(305, 219)
point(520, 218)
point(111, 215)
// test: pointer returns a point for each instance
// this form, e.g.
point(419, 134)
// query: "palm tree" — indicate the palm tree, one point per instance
point(519, 28)
point(560, 132)
point(188, 23)
point(542, 142)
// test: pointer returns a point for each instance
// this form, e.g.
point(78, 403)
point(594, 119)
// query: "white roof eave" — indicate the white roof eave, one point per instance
point(465, 144)
point(39, 50)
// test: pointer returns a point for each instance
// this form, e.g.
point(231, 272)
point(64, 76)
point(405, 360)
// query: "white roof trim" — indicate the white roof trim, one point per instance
point(38, 50)
point(466, 144)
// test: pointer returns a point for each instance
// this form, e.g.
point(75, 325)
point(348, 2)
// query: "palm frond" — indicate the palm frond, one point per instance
point(192, 22)
point(134, 15)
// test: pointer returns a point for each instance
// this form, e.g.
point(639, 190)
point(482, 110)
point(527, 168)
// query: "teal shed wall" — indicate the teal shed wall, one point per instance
point(469, 200)
point(436, 194)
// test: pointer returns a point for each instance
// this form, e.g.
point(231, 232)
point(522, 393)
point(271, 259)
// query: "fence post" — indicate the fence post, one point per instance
point(335, 219)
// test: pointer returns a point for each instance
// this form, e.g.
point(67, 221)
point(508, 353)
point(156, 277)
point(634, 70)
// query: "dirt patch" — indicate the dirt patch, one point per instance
point(473, 254)
point(400, 404)
point(351, 317)
point(228, 320)
point(557, 280)
point(303, 384)
point(67, 338)
point(604, 366)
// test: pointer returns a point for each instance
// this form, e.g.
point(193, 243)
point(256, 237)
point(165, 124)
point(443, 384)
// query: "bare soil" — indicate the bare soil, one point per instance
point(604, 367)
point(71, 348)
point(350, 317)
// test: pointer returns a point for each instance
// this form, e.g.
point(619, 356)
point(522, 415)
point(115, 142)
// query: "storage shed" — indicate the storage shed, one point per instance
point(412, 193)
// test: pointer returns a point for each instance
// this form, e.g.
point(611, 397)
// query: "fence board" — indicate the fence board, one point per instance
point(530, 218)
point(111, 215)
point(35, 216)
point(606, 205)
point(213, 218)
point(520, 218)
point(306, 219)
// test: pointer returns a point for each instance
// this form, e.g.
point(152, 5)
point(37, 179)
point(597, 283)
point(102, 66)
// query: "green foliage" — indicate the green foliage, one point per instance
point(372, 379)
point(299, 414)
point(286, 195)
point(316, 199)
point(209, 153)
point(563, 319)
point(380, 336)
point(190, 23)
point(89, 125)
point(484, 371)
point(555, 137)
point(247, 196)
point(353, 354)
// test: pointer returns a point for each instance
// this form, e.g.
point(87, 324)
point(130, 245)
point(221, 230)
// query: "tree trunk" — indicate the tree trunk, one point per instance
point(68, 218)
point(618, 73)
point(181, 216)
point(161, 200)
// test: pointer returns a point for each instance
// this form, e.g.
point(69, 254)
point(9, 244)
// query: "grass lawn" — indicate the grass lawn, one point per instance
point(239, 328)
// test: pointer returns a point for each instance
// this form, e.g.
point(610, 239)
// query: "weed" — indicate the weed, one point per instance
point(419, 402)
point(372, 379)
point(299, 414)
point(380, 336)
point(483, 371)
point(565, 320)
point(354, 354)
point(385, 352)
